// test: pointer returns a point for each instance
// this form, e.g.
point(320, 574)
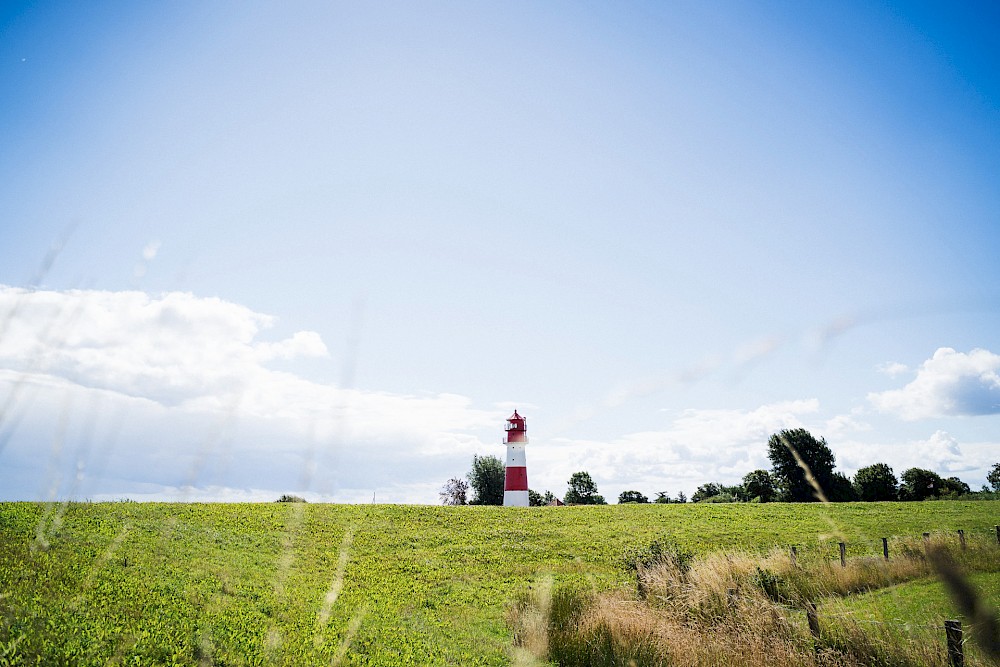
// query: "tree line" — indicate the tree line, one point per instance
point(484, 484)
point(802, 470)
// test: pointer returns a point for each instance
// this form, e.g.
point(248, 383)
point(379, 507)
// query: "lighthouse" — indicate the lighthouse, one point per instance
point(515, 487)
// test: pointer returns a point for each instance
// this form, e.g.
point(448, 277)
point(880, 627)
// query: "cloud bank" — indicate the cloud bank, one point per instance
point(180, 397)
point(175, 391)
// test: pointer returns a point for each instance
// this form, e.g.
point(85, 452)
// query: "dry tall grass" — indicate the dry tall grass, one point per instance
point(731, 609)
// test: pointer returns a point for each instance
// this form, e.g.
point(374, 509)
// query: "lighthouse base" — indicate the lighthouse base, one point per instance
point(515, 498)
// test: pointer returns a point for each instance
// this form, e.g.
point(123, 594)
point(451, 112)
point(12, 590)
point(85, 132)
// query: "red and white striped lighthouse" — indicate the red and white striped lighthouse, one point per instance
point(515, 487)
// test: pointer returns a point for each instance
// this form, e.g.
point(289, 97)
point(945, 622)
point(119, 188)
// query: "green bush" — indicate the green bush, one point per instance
point(659, 551)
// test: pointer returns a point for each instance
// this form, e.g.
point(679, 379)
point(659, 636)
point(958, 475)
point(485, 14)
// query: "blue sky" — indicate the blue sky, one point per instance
point(329, 249)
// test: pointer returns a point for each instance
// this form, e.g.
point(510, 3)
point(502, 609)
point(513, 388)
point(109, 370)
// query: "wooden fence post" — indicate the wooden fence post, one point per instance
point(961, 538)
point(927, 537)
point(953, 631)
point(843, 554)
point(813, 618)
point(885, 547)
point(793, 552)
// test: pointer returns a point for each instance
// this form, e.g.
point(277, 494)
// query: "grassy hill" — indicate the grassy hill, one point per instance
point(235, 584)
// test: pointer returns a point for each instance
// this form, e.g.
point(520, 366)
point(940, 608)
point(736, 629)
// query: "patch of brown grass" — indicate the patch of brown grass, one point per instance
point(732, 609)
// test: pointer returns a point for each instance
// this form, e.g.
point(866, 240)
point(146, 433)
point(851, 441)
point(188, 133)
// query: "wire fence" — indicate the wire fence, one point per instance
point(934, 547)
point(886, 548)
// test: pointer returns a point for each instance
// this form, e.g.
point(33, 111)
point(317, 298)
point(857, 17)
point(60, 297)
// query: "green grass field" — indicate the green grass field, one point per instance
point(916, 608)
point(924, 602)
point(130, 583)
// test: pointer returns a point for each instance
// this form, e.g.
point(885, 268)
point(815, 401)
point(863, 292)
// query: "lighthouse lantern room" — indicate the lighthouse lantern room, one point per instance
point(515, 489)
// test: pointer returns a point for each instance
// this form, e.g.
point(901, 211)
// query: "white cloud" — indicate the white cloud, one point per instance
point(167, 349)
point(893, 369)
point(197, 406)
point(940, 452)
point(719, 428)
point(841, 425)
point(148, 255)
point(948, 384)
point(150, 250)
point(302, 344)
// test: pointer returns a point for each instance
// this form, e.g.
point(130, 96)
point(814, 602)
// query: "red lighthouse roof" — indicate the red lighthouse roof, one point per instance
point(516, 429)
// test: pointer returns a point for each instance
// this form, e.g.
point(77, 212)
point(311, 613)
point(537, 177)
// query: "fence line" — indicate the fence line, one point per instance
point(952, 627)
point(795, 550)
point(853, 618)
point(952, 630)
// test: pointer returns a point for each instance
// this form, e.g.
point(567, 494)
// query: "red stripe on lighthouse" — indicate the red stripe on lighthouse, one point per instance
point(516, 479)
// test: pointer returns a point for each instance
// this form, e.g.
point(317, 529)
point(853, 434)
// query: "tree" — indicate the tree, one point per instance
point(631, 497)
point(706, 491)
point(536, 499)
point(663, 498)
point(583, 490)
point(841, 490)
point(759, 484)
point(993, 477)
point(954, 487)
point(487, 480)
point(919, 484)
point(786, 449)
point(454, 492)
point(737, 493)
point(876, 482)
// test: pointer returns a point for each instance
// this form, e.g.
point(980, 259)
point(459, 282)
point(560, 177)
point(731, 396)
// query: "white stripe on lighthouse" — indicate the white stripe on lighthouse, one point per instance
point(515, 499)
point(515, 456)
